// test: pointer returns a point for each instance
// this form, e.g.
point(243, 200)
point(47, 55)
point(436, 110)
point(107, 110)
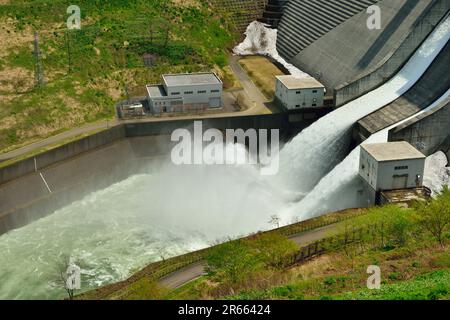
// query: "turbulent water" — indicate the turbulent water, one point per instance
point(112, 232)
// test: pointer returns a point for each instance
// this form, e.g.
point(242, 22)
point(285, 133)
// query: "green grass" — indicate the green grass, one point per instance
point(105, 55)
point(430, 286)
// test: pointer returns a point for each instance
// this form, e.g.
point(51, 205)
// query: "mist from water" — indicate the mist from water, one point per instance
point(112, 232)
point(173, 210)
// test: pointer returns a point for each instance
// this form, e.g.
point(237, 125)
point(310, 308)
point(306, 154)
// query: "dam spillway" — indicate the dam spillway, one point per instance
point(163, 210)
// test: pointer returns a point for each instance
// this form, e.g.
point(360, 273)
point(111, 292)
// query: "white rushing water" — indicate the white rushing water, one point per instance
point(318, 148)
point(339, 188)
point(173, 210)
point(113, 232)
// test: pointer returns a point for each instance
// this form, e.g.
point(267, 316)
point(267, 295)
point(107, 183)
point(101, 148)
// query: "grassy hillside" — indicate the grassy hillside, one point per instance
point(85, 71)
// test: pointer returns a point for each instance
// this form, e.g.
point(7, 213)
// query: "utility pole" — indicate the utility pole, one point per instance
point(69, 57)
point(39, 71)
point(127, 94)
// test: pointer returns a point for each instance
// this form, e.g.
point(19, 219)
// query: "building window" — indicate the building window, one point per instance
point(175, 93)
point(401, 167)
point(188, 92)
point(297, 106)
point(314, 104)
point(215, 91)
point(298, 92)
point(314, 91)
point(201, 91)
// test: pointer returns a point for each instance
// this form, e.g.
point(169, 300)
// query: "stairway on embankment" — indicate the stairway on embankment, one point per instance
point(307, 21)
point(273, 12)
point(240, 13)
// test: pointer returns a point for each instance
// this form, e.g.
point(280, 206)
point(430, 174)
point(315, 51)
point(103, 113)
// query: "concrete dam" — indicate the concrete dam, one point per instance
point(115, 202)
point(350, 66)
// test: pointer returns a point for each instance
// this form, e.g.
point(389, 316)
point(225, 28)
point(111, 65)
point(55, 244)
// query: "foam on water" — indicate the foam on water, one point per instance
point(339, 188)
point(114, 231)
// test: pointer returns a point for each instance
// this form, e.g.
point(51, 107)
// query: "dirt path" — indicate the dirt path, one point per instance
point(196, 270)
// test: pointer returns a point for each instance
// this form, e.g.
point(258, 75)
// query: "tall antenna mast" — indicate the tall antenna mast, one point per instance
point(39, 71)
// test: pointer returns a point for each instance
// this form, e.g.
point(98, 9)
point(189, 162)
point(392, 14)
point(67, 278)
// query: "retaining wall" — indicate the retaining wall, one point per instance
point(61, 153)
point(72, 171)
point(428, 132)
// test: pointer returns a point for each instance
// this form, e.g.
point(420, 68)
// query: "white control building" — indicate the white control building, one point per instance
point(185, 92)
point(299, 93)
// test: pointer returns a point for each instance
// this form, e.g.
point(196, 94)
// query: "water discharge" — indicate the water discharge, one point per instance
point(115, 231)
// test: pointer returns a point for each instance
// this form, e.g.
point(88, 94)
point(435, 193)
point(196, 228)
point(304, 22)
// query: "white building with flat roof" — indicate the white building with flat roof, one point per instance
point(185, 92)
point(298, 93)
point(391, 166)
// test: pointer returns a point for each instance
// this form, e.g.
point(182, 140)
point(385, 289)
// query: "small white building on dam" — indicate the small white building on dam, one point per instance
point(392, 171)
point(299, 93)
point(185, 92)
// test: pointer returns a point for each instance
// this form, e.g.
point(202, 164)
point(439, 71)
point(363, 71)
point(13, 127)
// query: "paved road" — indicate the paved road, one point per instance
point(249, 87)
point(196, 270)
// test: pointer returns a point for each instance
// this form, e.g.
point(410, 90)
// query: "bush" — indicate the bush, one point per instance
point(232, 262)
point(434, 215)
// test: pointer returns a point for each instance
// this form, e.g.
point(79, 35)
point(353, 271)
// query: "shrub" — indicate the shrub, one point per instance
point(434, 215)
point(232, 261)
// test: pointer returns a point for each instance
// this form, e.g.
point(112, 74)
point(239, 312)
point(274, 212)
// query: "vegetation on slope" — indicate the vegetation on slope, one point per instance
point(86, 71)
point(411, 247)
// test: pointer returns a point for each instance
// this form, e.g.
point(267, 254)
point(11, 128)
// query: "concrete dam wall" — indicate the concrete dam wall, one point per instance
point(304, 22)
point(343, 55)
point(430, 87)
point(67, 173)
point(387, 67)
point(428, 132)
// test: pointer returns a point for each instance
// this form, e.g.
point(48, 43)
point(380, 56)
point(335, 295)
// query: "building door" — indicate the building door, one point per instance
point(400, 181)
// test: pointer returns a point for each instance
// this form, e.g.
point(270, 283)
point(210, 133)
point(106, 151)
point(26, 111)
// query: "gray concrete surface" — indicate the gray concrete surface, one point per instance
point(81, 167)
point(430, 87)
point(402, 49)
point(428, 132)
point(354, 59)
point(351, 48)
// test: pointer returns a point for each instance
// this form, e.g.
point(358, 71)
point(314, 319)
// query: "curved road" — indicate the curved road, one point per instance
point(196, 270)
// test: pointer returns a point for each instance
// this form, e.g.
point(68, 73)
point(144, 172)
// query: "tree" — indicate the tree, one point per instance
point(232, 261)
point(434, 215)
point(275, 220)
point(68, 275)
point(272, 248)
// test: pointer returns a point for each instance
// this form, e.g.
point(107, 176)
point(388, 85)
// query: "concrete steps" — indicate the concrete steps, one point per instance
point(309, 20)
point(240, 12)
point(273, 12)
